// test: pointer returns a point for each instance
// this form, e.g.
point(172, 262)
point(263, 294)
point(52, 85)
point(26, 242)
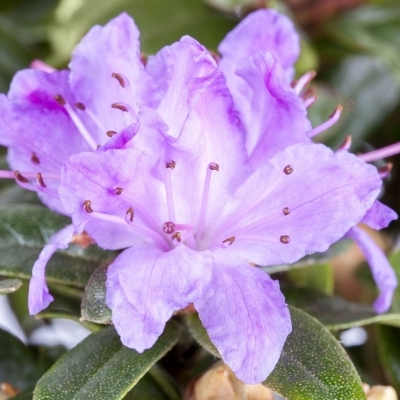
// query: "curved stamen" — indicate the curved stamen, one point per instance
point(310, 101)
point(345, 146)
point(204, 201)
point(304, 81)
point(385, 170)
point(387, 151)
point(77, 121)
point(334, 117)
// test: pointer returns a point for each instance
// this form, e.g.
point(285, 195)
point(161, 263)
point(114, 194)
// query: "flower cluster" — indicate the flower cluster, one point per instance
point(198, 170)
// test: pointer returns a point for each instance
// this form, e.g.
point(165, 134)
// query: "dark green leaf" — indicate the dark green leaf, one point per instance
point(25, 395)
point(9, 285)
point(101, 367)
point(313, 365)
point(389, 353)
point(335, 312)
point(17, 365)
point(24, 230)
point(94, 306)
point(62, 314)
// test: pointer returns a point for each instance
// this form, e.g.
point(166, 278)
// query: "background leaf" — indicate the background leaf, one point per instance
point(101, 367)
point(9, 285)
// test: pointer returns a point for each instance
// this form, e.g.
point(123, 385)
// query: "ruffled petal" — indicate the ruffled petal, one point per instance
point(39, 296)
point(146, 285)
point(273, 114)
point(279, 217)
point(383, 273)
point(379, 216)
point(112, 49)
point(265, 31)
point(246, 318)
point(179, 71)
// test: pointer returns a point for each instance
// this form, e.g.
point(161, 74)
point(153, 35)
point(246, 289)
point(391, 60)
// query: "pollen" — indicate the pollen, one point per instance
point(111, 133)
point(177, 236)
point(288, 169)
point(213, 166)
point(168, 227)
point(285, 239)
point(88, 206)
point(60, 100)
point(230, 240)
point(40, 180)
point(80, 106)
point(130, 214)
point(118, 190)
point(171, 164)
point(35, 159)
point(119, 78)
point(286, 211)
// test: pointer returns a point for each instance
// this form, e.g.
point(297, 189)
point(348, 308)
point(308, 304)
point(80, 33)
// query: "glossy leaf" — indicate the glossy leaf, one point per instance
point(313, 364)
point(24, 230)
point(101, 367)
point(9, 285)
point(335, 312)
point(17, 364)
point(389, 353)
point(94, 306)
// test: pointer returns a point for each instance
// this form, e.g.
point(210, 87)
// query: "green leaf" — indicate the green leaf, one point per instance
point(25, 395)
point(313, 365)
point(161, 22)
point(25, 229)
point(389, 353)
point(94, 307)
point(318, 277)
point(65, 315)
point(101, 367)
point(9, 285)
point(335, 312)
point(17, 364)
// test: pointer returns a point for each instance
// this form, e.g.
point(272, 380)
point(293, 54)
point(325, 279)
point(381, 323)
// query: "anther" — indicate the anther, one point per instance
point(285, 239)
point(346, 144)
point(98, 146)
point(130, 214)
point(286, 211)
point(80, 106)
point(213, 166)
point(171, 164)
point(177, 236)
point(229, 241)
point(20, 178)
point(118, 190)
point(111, 133)
point(119, 78)
point(60, 100)
point(288, 169)
point(39, 179)
point(88, 206)
point(385, 170)
point(35, 158)
point(119, 107)
point(143, 58)
point(168, 227)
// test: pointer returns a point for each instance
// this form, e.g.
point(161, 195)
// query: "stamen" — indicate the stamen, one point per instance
point(130, 214)
point(111, 133)
point(345, 146)
point(288, 169)
point(168, 227)
point(286, 211)
point(385, 170)
point(388, 151)
point(119, 78)
point(303, 81)
point(20, 178)
point(177, 236)
point(204, 202)
point(39, 180)
point(80, 106)
point(76, 120)
point(333, 118)
point(285, 239)
point(88, 206)
point(169, 166)
point(35, 159)
point(118, 190)
point(120, 106)
point(308, 102)
point(143, 58)
point(229, 241)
